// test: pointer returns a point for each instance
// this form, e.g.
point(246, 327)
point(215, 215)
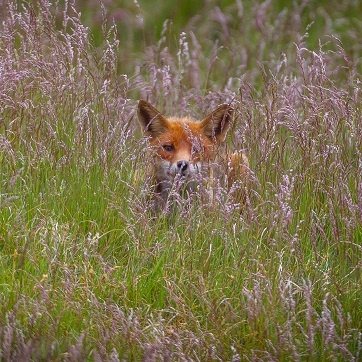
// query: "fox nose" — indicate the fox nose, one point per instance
point(182, 166)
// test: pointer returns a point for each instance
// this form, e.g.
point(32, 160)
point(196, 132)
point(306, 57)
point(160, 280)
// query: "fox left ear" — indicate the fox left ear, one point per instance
point(151, 120)
point(216, 124)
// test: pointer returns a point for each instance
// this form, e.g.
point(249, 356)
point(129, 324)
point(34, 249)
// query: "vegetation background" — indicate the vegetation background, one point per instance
point(88, 273)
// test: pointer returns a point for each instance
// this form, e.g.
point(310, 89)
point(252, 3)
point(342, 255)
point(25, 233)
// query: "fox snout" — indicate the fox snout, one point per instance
point(182, 167)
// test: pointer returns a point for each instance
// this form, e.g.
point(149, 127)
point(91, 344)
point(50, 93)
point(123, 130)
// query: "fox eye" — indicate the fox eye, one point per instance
point(168, 148)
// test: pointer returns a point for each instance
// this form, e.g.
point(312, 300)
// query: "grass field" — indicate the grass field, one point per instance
point(87, 272)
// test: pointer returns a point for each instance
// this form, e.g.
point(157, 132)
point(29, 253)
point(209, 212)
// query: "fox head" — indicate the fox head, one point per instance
point(181, 145)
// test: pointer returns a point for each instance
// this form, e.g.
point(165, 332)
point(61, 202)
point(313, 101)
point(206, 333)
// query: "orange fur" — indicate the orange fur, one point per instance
point(182, 147)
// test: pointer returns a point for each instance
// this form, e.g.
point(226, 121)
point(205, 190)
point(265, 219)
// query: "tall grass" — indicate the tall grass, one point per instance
point(89, 273)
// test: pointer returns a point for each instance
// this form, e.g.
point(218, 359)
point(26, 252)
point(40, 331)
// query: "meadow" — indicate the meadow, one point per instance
point(89, 273)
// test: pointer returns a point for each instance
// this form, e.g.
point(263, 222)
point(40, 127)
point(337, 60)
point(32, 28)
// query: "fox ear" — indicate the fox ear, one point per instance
point(152, 121)
point(216, 124)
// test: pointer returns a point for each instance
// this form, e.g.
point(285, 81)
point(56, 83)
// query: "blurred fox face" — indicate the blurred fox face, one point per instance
point(180, 145)
point(181, 150)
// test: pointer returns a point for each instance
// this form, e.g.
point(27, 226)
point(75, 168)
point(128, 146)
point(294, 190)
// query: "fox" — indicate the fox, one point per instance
point(183, 148)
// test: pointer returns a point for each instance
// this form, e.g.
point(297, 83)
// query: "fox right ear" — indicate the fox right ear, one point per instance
point(216, 124)
point(152, 121)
